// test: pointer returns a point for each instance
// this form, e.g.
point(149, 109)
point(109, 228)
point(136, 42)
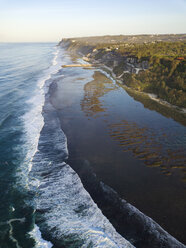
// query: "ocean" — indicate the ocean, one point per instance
point(24, 69)
point(58, 133)
point(31, 140)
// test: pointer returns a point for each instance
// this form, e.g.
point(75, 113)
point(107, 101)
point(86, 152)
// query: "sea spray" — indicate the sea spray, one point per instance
point(40, 242)
point(65, 212)
point(33, 125)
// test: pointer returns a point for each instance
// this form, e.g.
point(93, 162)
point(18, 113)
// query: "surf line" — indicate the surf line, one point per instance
point(9, 222)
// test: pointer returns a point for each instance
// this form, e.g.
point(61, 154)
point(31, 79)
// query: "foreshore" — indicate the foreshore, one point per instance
point(82, 53)
point(175, 112)
point(153, 97)
point(81, 96)
point(138, 66)
point(77, 65)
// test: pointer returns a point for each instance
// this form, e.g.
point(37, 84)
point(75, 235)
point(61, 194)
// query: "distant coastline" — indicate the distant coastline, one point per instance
point(138, 62)
point(89, 104)
point(85, 48)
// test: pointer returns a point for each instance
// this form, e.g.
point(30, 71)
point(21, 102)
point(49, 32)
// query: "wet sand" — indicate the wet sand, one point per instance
point(137, 152)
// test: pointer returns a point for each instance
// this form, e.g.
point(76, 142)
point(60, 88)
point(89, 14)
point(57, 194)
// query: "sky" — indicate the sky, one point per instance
point(52, 20)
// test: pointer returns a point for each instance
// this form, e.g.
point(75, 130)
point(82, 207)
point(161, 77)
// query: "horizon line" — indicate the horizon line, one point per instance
point(88, 36)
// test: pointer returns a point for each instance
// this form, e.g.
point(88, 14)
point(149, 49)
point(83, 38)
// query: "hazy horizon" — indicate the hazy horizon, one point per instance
point(90, 36)
point(46, 21)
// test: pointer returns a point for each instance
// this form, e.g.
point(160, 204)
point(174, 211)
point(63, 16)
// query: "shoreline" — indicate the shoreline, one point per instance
point(175, 112)
point(123, 58)
point(76, 65)
point(106, 198)
point(152, 96)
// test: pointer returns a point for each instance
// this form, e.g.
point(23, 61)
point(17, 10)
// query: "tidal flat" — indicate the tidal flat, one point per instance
point(134, 149)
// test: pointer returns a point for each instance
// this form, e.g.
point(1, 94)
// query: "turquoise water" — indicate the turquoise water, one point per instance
point(24, 68)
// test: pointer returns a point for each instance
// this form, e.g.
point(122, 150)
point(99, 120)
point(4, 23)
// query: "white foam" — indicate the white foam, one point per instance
point(33, 124)
point(149, 227)
point(40, 242)
point(14, 240)
point(70, 214)
point(33, 119)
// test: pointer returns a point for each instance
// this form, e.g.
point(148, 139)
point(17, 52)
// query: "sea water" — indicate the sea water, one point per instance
point(41, 196)
point(43, 202)
point(24, 69)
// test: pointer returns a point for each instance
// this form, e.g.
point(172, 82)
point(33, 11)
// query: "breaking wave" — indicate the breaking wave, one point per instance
point(33, 124)
point(65, 212)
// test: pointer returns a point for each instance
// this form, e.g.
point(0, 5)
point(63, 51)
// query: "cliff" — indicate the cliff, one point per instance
point(152, 64)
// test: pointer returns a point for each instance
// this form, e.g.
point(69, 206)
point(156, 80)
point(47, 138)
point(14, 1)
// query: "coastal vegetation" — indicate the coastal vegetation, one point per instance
point(151, 64)
point(166, 73)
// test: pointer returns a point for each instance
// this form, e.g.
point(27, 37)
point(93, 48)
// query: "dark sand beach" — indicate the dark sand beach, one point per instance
point(136, 151)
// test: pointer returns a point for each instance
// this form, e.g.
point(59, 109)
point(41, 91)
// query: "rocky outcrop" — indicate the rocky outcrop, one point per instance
point(108, 57)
